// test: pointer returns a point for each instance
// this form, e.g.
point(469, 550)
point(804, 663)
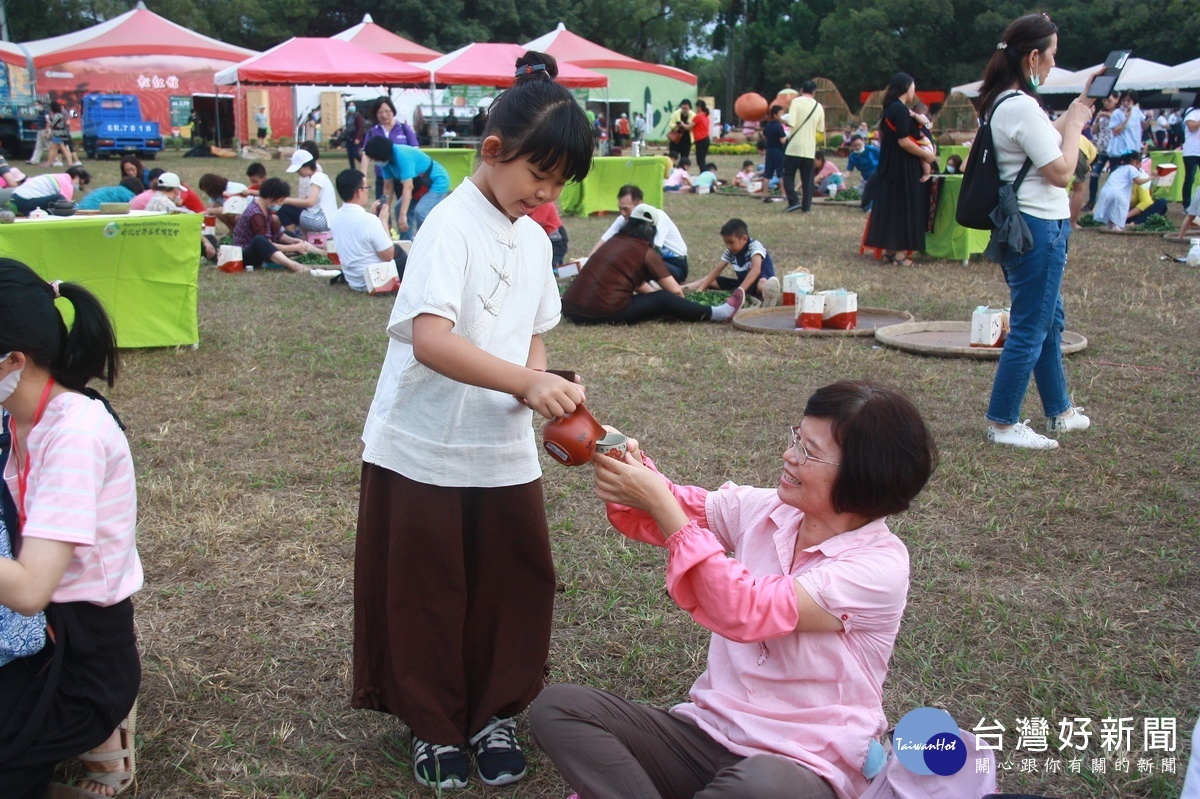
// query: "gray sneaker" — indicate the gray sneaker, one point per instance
point(772, 292)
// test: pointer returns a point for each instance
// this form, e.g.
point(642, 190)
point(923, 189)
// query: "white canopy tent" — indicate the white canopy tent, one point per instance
point(1057, 76)
point(1139, 74)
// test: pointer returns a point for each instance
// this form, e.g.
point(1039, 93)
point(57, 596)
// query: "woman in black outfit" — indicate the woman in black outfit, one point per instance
point(898, 213)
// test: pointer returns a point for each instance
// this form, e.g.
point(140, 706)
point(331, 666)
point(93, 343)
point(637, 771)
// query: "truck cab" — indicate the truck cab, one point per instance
point(113, 123)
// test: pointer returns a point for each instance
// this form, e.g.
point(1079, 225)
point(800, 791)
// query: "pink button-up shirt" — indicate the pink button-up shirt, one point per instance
point(812, 697)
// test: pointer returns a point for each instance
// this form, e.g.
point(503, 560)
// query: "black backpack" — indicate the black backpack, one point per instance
point(981, 178)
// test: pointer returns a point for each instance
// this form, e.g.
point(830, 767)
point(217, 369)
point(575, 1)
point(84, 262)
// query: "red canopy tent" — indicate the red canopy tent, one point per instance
point(304, 61)
point(492, 64)
point(573, 48)
point(379, 39)
point(138, 52)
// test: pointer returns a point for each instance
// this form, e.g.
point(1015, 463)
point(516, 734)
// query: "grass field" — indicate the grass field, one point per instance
point(1044, 585)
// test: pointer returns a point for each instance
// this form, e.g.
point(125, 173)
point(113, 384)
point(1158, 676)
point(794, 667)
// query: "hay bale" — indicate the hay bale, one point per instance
point(957, 114)
point(837, 111)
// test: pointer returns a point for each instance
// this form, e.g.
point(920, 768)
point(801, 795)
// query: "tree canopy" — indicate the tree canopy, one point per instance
point(733, 45)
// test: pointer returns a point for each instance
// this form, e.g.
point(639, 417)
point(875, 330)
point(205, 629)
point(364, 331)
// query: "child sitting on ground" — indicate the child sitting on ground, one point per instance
point(826, 176)
point(256, 173)
point(752, 266)
point(1112, 204)
point(707, 179)
point(746, 178)
point(678, 178)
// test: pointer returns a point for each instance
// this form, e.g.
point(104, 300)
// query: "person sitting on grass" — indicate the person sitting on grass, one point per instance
point(260, 235)
point(678, 178)
point(747, 176)
point(361, 238)
point(613, 285)
point(312, 211)
point(1112, 204)
point(707, 179)
point(41, 191)
point(803, 587)
point(864, 158)
point(667, 240)
point(752, 265)
point(123, 192)
point(227, 199)
point(256, 173)
point(826, 176)
point(1142, 204)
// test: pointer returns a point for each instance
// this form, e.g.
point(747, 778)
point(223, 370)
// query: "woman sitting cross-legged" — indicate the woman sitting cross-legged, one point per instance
point(614, 285)
point(260, 235)
point(804, 615)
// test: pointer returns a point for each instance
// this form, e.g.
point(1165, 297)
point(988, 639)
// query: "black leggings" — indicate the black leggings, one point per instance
point(259, 252)
point(643, 307)
point(1190, 163)
point(702, 151)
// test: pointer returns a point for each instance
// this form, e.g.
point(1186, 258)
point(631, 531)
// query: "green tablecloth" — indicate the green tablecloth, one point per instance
point(949, 239)
point(1174, 192)
point(598, 192)
point(459, 162)
point(144, 268)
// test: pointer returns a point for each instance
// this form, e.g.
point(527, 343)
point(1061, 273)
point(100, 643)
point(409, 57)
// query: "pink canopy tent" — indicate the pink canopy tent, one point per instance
point(492, 64)
point(305, 61)
point(136, 32)
point(572, 48)
point(379, 39)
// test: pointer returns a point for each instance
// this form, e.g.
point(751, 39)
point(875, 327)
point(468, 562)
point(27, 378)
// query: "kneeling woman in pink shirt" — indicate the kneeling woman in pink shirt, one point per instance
point(69, 679)
point(804, 615)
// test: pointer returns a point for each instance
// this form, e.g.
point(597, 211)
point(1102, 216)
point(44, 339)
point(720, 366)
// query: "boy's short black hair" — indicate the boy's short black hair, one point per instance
point(256, 170)
point(735, 227)
point(708, 167)
point(855, 137)
point(747, 163)
point(274, 189)
point(348, 182)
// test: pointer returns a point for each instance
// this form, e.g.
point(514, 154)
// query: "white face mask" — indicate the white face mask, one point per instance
point(9, 384)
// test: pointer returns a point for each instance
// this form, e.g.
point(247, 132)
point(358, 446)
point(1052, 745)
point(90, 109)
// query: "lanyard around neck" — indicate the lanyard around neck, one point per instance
point(23, 473)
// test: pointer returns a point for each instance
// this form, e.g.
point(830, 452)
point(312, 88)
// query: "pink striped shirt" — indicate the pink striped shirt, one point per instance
point(81, 491)
point(812, 697)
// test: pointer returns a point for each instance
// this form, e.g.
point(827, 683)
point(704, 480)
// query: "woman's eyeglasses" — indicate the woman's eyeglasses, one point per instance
point(802, 453)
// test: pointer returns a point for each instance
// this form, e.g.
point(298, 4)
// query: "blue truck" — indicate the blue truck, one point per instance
point(112, 123)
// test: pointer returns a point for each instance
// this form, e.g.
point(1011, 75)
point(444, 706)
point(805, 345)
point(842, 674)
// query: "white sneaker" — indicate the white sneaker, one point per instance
point(1073, 419)
point(771, 292)
point(1021, 436)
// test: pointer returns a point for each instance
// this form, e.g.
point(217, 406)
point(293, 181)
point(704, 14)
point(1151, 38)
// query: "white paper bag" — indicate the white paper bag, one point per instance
point(797, 283)
point(382, 278)
point(841, 310)
point(810, 311)
point(229, 259)
point(989, 327)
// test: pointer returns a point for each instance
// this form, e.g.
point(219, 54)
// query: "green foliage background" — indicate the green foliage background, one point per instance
point(749, 45)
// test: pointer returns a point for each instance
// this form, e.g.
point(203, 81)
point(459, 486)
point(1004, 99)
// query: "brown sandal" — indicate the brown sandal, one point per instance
point(118, 781)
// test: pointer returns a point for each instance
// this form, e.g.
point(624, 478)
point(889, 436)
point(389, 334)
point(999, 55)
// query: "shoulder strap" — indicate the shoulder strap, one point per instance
point(802, 124)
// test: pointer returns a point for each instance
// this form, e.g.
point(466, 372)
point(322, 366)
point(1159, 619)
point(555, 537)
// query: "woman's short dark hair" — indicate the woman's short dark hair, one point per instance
point(33, 325)
point(380, 103)
point(313, 150)
point(135, 185)
point(1022, 36)
point(888, 453)
point(638, 229)
point(274, 189)
point(379, 148)
point(81, 174)
point(539, 120)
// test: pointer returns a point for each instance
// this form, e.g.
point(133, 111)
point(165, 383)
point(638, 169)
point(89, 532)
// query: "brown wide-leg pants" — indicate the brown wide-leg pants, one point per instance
point(611, 748)
point(453, 602)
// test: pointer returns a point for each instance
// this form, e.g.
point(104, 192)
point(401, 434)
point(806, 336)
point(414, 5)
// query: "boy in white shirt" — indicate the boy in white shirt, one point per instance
point(359, 233)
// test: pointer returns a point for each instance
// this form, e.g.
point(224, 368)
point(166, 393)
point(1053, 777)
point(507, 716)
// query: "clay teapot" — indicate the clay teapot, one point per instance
point(571, 439)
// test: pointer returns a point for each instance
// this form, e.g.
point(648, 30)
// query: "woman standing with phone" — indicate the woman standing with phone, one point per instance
point(1022, 130)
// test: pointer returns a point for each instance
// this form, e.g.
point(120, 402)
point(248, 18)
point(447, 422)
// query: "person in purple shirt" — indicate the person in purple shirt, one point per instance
point(391, 128)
